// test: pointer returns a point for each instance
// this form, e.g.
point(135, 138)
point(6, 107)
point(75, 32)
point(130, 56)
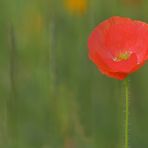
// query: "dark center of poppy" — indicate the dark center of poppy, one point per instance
point(122, 56)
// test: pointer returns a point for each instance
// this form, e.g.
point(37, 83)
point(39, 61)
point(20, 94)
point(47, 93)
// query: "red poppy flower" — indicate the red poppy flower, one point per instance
point(119, 46)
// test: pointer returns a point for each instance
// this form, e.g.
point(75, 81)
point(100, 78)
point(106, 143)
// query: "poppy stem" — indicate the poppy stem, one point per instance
point(126, 112)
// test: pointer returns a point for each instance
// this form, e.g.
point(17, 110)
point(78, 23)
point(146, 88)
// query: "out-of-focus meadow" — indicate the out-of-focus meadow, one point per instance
point(51, 95)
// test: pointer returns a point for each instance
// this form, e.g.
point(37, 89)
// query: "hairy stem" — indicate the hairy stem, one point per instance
point(126, 112)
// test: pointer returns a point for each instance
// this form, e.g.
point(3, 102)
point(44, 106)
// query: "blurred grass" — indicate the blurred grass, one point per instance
point(51, 95)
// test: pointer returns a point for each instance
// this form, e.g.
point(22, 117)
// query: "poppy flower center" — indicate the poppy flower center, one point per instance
point(122, 56)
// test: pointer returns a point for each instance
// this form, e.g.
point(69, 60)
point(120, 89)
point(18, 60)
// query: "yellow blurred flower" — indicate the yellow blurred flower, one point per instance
point(31, 25)
point(33, 22)
point(76, 6)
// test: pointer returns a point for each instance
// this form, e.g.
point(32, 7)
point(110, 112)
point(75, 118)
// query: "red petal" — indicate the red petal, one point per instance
point(124, 66)
point(116, 75)
point(104, 68)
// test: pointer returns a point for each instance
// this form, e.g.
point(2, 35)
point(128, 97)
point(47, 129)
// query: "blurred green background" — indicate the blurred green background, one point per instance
point(51, 95)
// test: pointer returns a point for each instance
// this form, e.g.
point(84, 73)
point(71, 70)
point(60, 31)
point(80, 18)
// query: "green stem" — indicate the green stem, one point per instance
point(126, 113)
